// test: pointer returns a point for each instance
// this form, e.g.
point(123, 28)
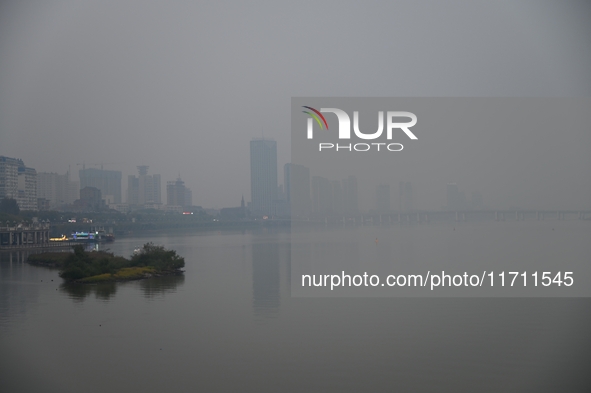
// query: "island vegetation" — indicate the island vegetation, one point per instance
point(100, 266)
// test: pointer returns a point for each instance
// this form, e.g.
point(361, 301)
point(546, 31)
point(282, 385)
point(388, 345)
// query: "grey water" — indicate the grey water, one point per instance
point(230, 324)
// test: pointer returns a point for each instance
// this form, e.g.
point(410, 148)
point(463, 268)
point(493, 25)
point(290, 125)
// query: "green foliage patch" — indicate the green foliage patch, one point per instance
point(97, 266)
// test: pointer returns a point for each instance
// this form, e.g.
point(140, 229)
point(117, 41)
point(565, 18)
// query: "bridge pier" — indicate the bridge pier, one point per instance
point(35, 235)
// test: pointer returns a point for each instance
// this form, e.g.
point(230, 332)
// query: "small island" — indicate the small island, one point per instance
point(99, 266)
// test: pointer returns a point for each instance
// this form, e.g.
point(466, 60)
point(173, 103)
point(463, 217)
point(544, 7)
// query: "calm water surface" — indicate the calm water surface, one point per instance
point(230, 325)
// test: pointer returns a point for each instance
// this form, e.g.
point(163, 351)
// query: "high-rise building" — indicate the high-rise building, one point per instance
point(133, 190)
point(351, 198)
point(177, 194)
point(263, 176)
point(27, 188)
point(297, 189)
point(456, 200)
point(405, 196)
point(9, 177)
point(73, 191)
point(57, 189)
point(321, 197)
point(476, 200)
point(18, 182)
point(143, 189)
point(338, 198)
point(188, 197)
point(109, 182)
point(90, 199)
point(383, 198)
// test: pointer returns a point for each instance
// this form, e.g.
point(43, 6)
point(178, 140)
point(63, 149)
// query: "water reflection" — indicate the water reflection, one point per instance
point(15, 298)
point(156, 286)
point(13, 256)
point(266, 296)
point(151, 287)
point(79, 292)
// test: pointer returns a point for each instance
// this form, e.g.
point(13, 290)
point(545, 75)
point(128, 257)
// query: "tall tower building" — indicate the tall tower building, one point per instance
point(297, 189)
point(338, 197)
point(455, 199)
point(405, 196)
point(321, 196)
point(27, 188)
point(383, 198)
point(144, 188)
point(9, 177)
point(351, 198)
point(57, 189)
point(18, 182)
point(177, 194)
point(109, 182)
point(263, 175)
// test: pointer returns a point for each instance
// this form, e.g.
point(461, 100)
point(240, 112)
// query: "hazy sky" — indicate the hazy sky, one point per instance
point(183, 86)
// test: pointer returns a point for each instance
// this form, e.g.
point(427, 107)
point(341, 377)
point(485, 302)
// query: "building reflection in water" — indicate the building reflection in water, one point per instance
point(15, 297)
point(266, 289)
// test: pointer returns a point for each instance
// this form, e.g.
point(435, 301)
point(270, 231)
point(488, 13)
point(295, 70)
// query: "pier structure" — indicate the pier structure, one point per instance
point(24, 235)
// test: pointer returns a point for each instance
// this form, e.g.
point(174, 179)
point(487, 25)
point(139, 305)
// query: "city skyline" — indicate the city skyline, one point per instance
point(455, 197)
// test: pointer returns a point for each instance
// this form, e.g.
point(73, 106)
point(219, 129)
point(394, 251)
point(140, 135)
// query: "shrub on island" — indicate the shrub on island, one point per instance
point(95, 266)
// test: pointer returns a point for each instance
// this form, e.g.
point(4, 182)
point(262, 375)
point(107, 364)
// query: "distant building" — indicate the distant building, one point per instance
point(405, 196)
point(188, 197)
point(109, 182)
point(476, 201)
point(383, 198)
point(18, 182)
point(456, 200)
point(338, 198)
point(351, 198)
point(178, 195)
point(27, 188)
point(321, 197)
point(90, 199)
point(58, 189)
point(143, 189)
point(9, 177)
point(133, 190)
point(43, 204)
point(297, 189)
point(233, 213)
point(120, 207)
point(263, 175)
